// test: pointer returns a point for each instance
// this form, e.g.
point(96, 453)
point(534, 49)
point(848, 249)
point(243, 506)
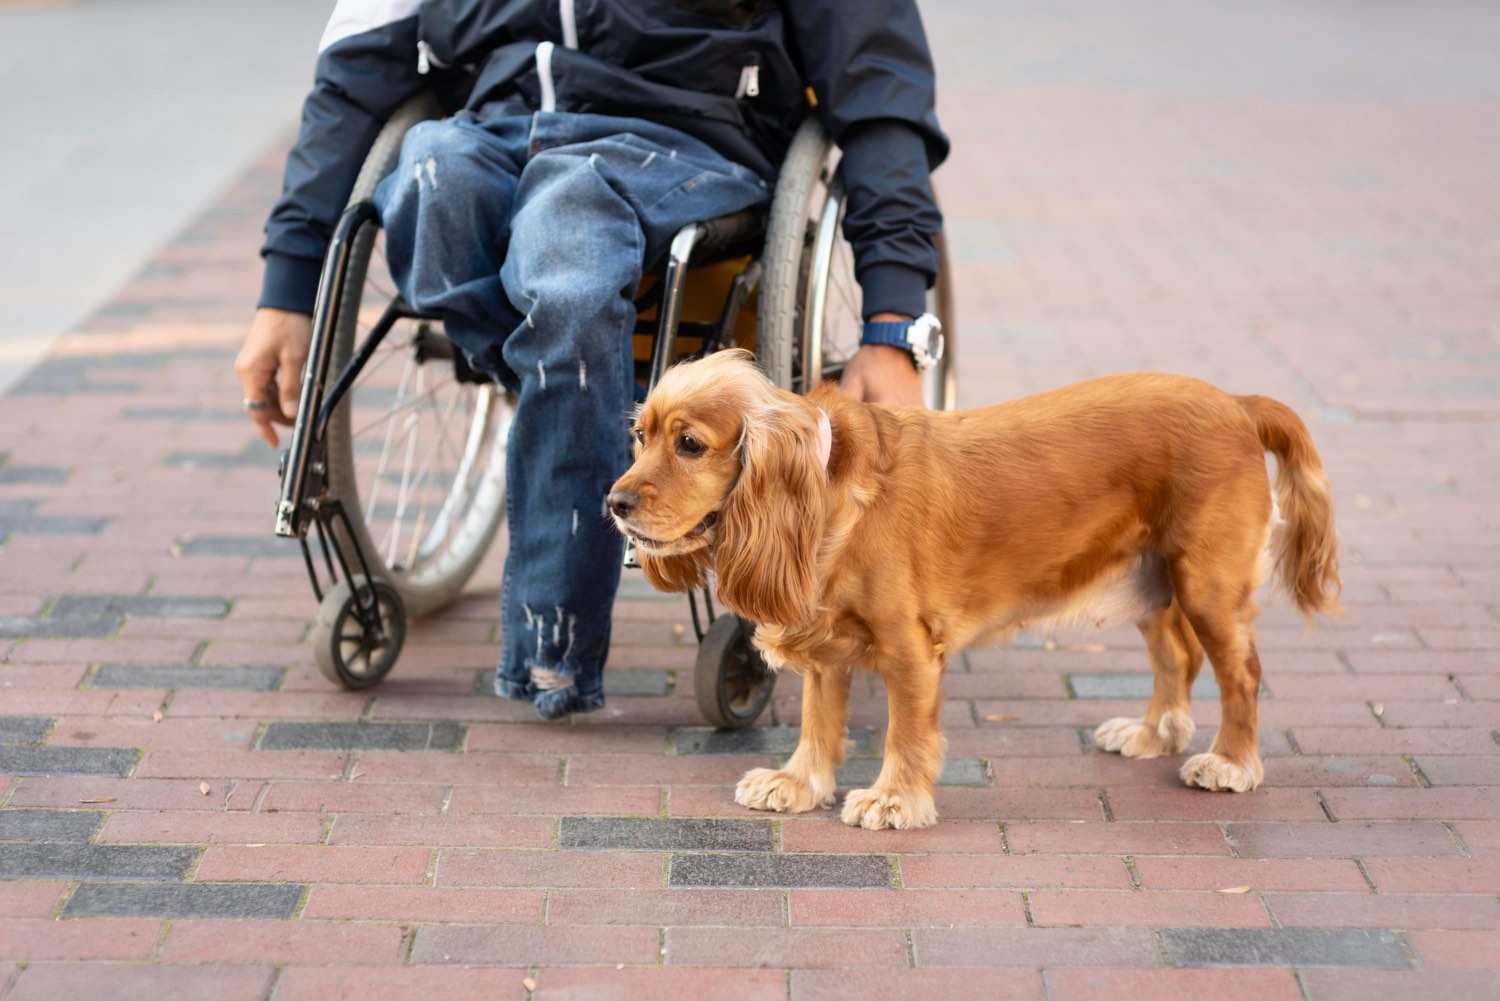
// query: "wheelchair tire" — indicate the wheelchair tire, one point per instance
point(415, 454)
point(730, 680)
point(810, 320)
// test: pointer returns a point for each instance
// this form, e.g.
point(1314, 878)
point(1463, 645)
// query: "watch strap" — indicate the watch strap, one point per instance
point(888, 332)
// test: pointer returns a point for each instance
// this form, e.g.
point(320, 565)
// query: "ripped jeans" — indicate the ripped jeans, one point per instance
point(528, 235)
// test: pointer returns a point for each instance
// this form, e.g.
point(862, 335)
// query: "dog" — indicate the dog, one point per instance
point(890, 538)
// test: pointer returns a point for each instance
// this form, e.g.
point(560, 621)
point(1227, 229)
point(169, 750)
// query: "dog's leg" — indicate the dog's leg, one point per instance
point(1222, 613)
point(1176, 658)
point(902, 795)
point(807, 780)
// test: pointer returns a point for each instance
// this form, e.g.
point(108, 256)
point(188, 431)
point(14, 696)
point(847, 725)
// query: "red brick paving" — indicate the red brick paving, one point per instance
point(660, 984)
point(1172, 985)
point(29, 899)
point(139, 982)
point(284, 942)
point(1288, 199)
point(311, 983)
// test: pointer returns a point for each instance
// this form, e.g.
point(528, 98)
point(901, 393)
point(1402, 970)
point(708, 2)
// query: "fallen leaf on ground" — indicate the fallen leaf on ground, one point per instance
point(1234, 889)
point(529, 983)
point(156, 716)
point(101, 799)
point(204, 788)
point(998, 718)
point(1378, 708)
point(256, 844)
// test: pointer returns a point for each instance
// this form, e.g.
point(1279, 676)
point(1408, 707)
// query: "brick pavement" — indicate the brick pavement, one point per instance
point(1293, 199)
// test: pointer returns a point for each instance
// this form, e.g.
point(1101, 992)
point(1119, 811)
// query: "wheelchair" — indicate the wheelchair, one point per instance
point(396, 463)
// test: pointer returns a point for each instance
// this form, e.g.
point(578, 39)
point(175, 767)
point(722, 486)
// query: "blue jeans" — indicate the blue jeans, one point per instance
point(529, 236)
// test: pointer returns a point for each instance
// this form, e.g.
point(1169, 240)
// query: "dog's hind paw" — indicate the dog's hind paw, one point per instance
point(877, 809)
point(1215, 772)
point(783, 792)
point(1134, 738)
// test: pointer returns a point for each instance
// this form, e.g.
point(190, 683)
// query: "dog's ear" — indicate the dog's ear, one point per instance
point(675, 573)
point(765, 555)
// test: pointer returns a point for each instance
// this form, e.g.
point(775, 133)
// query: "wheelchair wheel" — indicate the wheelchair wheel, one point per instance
point(416, 450)
point(359, 632)
point(731, 681)
point(810, 319)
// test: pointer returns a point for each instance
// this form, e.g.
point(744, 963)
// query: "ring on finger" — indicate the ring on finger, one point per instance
point(255, 404)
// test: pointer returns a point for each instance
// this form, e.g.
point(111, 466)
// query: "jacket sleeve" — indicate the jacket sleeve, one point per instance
point(367, 67)
point(870, 68)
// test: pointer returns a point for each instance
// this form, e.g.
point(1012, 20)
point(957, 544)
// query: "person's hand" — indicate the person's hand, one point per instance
point(881, 374)
point(270, 368)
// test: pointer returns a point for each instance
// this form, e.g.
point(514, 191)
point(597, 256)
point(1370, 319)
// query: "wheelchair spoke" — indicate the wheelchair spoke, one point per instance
point(385, 449)
point(428, 443)
point(411, 484)
point(375, 364)
point(407, 404)
point(410, 422)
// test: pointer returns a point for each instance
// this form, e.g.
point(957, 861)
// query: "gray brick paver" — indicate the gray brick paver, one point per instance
point(20, 759)
point(184, 900)
point(49, 825)
point(863, 871)
point(37, 860)
point(1354, 947)
point(362, 736)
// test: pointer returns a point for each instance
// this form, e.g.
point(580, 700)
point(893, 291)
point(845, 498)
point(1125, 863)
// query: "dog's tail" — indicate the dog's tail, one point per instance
point(1305, 543)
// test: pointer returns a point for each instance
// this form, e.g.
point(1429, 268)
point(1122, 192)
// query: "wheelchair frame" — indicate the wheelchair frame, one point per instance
point(362, 612)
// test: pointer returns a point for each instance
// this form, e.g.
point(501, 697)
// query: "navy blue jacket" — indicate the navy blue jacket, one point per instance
point(733, 73)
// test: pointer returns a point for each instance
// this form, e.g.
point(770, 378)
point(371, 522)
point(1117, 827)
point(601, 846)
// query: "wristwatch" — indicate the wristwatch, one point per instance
point(923, 337)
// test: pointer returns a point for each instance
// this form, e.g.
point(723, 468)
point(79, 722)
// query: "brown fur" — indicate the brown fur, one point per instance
point(1139, 497)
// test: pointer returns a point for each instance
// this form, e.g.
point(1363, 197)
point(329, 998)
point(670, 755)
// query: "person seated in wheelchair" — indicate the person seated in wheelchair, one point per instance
point(586, 133)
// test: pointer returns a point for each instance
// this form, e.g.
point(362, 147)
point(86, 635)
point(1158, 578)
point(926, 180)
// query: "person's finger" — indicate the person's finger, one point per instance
point(256, 382)
point(289, 379)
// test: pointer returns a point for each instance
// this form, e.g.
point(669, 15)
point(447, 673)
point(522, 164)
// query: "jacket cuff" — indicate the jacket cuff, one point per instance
point(893, 288)
point(290, 283)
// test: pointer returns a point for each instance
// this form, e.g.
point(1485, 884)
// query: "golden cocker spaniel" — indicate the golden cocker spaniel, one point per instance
point(907, 535)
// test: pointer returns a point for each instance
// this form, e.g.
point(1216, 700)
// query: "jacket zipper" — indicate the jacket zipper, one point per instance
point(749, 82)
point(544, 51)
point(544, 75)
point(426, 59)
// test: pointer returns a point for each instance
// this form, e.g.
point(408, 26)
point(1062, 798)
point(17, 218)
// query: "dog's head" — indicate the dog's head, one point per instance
point(728, 477)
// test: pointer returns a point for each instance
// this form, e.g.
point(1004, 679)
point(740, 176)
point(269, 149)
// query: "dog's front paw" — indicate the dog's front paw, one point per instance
point(877, 809)
point(1214, 771)
point(1134, 738)
point(768, 789)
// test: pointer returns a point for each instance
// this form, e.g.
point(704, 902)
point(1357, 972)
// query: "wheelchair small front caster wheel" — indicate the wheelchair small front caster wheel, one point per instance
point(359, 632)
point(732, 682)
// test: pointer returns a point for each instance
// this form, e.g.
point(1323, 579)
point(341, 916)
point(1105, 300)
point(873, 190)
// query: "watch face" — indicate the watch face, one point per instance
point(929, 336)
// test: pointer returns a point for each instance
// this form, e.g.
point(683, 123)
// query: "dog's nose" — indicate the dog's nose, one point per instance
point(622, 502)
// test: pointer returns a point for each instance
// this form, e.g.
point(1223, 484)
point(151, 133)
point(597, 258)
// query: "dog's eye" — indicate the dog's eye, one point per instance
point(640, 436)
point(688, 445)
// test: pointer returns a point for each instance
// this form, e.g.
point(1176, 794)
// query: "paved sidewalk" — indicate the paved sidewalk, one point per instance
point(1289, 198)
